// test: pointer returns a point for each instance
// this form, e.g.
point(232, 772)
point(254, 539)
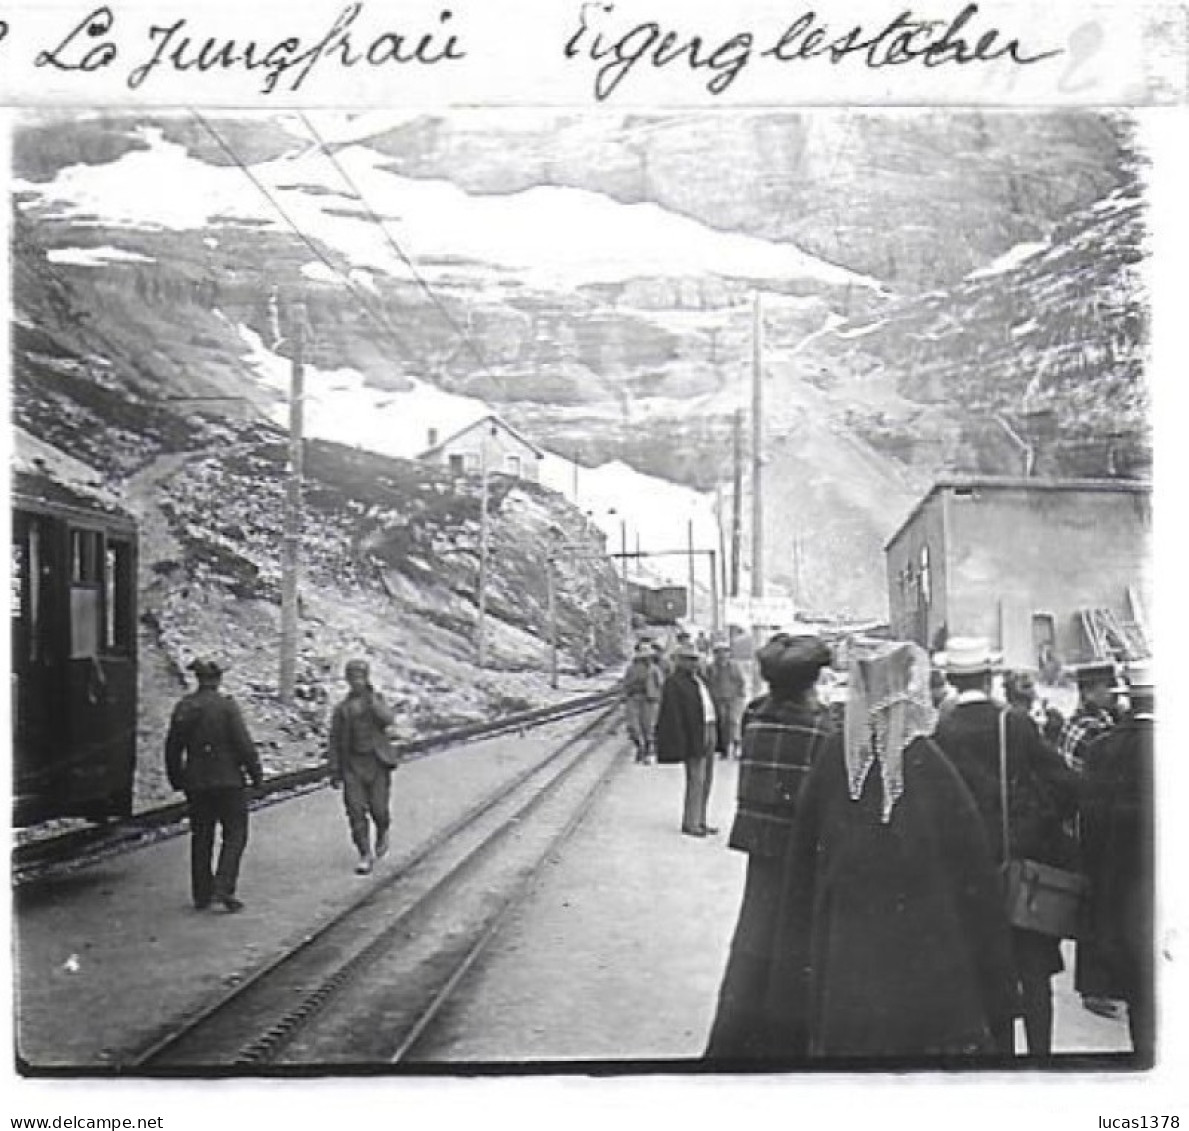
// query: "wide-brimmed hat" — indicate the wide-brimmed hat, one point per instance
point(357, 666)
point(644, 647)
point(1140, 677)
point(968, 655)
point(721, 646)
point(686, 652)
point(1096, 671)
point(205, 666)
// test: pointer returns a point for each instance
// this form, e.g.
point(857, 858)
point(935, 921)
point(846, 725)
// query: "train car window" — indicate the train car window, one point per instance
point(86, 556)
point(86, 592)
point(85, 620)
point(16, 597)
point(118, 604)
point(28, 578)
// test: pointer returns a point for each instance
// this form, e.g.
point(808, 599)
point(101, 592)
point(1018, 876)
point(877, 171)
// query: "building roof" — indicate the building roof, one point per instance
point(475, 424)
point(37, 491)
point(1016, 483)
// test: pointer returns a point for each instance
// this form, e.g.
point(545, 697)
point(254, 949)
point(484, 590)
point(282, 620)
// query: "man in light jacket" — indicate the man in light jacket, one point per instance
point(357, 739)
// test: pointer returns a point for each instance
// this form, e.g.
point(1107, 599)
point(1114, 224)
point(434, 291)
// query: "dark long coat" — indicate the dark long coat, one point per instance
point(680, 724)
point(208, 746)
point(1116, 945)
point(893, 942)
point(781, 741)
point(1042, 790)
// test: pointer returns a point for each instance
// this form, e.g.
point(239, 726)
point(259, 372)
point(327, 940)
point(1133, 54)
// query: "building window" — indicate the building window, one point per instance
point(513, 463)
point(926, 578)
point(456, 464)
point(471, 461)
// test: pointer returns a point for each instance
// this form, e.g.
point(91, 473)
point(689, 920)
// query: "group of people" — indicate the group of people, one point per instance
point(874, 922)
point(210, 756)
point(685, 707)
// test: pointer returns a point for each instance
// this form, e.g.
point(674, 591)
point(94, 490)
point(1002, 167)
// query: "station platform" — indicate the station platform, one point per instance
point(615, 955)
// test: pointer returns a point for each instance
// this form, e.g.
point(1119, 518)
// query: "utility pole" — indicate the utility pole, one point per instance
point(291, 542)
point(624, 596)
point(715, 622)
point(690, 542)
point(481, 626)
point(757, 459)
point(551, 586)
point(737, 504)
point(721, 560)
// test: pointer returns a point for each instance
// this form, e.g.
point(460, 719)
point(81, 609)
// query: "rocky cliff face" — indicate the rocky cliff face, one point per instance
point(905, 332)
point(916, 198)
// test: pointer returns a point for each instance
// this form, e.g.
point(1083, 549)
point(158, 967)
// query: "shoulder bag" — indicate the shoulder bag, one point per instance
point(1040, 898)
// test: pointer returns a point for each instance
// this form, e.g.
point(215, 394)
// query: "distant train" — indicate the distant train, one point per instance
point(73, 610)
point(664, 605)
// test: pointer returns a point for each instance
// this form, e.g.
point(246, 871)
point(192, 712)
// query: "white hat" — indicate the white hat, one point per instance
point(967, 655)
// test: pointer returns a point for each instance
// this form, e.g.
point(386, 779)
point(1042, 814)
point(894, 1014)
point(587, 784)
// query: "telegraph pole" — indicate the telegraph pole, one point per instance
point(689, 526)
point(757, 460)
point(736, 504)
point(291, 543)
point(483, 535)
point(715, 623)
point(551, 585)
point(624, 596)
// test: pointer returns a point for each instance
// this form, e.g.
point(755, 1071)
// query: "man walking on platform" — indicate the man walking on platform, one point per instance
point(728, 690)
point(687, 732)
point(208, 752)
point(642, 694)
point(360, 756)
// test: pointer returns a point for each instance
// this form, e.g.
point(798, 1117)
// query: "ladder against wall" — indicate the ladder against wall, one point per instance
point(1111, 637)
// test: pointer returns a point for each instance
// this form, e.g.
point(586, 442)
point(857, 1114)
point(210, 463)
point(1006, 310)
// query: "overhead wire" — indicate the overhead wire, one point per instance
point(401, 254)
point(381, 322)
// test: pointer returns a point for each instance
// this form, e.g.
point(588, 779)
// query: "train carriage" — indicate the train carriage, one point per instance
point(664, 605)
point(74, 678)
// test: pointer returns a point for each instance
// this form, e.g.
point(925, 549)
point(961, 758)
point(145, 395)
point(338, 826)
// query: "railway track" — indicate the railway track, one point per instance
point(363, 987)
point(52, 856)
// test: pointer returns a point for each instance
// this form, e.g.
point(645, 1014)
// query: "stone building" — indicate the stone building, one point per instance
point(1044, 568)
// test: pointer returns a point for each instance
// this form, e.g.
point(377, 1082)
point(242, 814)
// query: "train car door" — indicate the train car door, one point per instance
point(40, 720)
point(100, 674)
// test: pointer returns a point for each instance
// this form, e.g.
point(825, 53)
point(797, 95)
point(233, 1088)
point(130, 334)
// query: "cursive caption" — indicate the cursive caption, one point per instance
point(284, 63)
point(905, 39)
point(612, 48)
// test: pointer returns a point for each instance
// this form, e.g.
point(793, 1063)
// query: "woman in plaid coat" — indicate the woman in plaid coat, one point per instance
point(783, 733)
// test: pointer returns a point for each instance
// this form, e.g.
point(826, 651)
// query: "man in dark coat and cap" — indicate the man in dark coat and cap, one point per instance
point(1116, 947)
point(1093, 717)
point(783, 732)
point(1042, 798)
point(208, 756)
point(687, 732)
